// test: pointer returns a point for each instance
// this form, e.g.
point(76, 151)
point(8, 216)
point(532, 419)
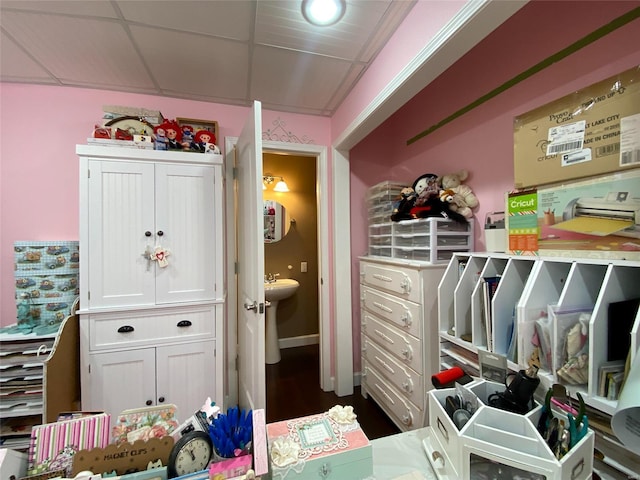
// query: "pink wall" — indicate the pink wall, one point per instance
point(39, 179)
point(417, 30)
point(482, 140)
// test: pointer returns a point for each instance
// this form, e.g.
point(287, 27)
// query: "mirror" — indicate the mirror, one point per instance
point(276, 221)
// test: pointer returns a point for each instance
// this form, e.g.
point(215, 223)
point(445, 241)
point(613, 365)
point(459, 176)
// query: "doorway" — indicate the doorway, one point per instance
point(294, 253)
point(319, 153)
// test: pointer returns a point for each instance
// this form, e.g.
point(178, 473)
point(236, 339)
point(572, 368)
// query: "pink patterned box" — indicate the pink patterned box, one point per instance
point(329, 445)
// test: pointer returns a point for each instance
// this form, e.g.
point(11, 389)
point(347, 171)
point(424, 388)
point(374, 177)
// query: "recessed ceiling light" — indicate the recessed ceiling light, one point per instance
point(323, 12)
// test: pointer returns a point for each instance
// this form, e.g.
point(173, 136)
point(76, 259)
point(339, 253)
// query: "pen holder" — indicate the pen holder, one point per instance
point(231, 433)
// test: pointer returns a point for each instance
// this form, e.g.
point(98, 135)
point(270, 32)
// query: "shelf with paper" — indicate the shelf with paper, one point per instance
point(528, 286)
point(38, 379)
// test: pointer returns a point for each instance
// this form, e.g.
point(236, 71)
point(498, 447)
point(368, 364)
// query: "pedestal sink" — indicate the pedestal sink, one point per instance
point(273, 293)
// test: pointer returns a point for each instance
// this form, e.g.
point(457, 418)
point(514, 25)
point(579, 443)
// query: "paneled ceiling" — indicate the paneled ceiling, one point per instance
point(222, 51)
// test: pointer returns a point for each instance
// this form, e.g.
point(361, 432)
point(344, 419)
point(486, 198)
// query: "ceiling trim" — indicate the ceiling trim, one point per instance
point(470, 25)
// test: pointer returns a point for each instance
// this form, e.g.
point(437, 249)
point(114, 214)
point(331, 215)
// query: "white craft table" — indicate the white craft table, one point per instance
point(402, 457)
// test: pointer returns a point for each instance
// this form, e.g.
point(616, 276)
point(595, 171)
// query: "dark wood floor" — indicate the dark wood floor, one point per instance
point(293, 390)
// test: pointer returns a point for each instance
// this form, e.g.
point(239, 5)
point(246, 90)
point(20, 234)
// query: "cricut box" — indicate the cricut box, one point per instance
point(319, 446)
point(592, 131)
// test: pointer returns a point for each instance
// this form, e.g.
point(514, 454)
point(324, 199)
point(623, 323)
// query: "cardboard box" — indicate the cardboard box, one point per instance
point(587, 133)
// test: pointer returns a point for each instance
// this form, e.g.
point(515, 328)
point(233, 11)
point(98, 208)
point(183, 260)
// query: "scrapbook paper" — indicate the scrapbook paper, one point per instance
point(53, 445)
point(145, 423)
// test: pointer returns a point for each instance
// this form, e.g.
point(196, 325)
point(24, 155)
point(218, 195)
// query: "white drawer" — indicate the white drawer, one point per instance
point(407, 348)
point(150, 327)
point(405, 315)
point(408, 382)
point(406, 415)
point(404, 282)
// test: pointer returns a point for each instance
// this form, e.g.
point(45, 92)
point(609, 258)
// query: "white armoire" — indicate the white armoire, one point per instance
point(151, 278)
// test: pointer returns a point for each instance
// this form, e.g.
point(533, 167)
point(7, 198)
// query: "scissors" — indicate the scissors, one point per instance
point(560, 440)
point(578, 426)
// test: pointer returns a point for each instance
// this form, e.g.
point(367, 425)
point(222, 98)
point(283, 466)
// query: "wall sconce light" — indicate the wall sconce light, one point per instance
point(323, 13)
point(268, 179)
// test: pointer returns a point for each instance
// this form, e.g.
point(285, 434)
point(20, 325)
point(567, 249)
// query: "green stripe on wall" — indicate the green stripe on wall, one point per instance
point(574, 47)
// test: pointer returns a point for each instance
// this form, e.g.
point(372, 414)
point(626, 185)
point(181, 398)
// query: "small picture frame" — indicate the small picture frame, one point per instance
point(210, 125)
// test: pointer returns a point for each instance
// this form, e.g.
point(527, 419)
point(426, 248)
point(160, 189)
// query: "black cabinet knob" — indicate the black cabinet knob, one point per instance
point(184, 323)
point(147, 233)
point(160, 233)
point(126, 329)
point(161, 400)
point(149, 403)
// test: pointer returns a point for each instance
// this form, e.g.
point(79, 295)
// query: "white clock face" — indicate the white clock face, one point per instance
point(194, 456)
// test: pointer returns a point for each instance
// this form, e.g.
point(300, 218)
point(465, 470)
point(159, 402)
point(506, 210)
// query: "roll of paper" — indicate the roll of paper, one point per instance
point(626, 419)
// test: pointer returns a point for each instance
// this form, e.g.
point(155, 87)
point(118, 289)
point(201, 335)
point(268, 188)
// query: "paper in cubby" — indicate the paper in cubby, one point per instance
point(571, 343)
point(535, 338)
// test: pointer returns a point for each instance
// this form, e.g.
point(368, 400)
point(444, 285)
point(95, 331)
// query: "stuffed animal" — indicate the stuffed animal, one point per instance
point(426, 187)
point(402, 209)
point(464, 200)
point(434, 207)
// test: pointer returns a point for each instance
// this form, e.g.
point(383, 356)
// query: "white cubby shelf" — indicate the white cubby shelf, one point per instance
point(529, 284)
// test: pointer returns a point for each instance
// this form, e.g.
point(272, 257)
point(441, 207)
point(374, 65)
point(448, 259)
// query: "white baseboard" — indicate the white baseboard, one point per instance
point(301, 341)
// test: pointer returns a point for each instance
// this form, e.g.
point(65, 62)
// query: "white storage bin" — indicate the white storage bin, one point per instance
point(453, 240)
point(496, 438)
point(423, 255)
point(379, 251)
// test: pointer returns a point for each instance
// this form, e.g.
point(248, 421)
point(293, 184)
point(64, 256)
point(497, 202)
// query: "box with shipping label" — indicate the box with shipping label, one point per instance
point(598, 217)
point(590, 132)
point(327, 445)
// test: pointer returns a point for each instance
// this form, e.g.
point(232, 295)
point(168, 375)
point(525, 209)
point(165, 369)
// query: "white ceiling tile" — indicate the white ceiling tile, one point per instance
point(97, 8)
point(225, 18)
point(224, 51)
point(80, 51)
point(309, 81)
point(280, 23)
point(195, 64)
point(16, 65)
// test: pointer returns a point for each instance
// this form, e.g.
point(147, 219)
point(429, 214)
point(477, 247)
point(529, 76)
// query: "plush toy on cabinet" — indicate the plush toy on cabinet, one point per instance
point(422, 200)
point(428, 202)
point(402, 209)
point(173, 134)
point(464, 200)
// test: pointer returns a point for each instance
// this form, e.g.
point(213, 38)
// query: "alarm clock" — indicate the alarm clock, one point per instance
point(191, 453)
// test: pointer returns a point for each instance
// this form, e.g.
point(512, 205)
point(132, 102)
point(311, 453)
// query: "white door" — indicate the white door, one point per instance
point(249, 225)
point(121, 380)
point(185, 226)
point(121, 226)
point(186, 376)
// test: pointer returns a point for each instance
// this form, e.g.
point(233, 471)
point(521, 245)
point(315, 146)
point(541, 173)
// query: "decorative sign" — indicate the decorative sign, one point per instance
point(125, 457)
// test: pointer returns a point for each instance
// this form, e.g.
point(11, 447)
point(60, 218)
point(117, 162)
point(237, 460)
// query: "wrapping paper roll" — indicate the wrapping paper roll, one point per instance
point(626, 419)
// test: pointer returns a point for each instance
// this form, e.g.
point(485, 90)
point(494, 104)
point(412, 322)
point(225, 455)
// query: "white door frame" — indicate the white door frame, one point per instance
point(324, 271)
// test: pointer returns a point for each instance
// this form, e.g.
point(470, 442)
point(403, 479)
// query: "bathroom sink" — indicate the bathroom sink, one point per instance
point(273, 293)
point(280, 289)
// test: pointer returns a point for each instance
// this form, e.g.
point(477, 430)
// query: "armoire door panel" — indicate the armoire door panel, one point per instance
point(121, 206)
point(121, 380)
point(186, 375)
point(185, 214)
